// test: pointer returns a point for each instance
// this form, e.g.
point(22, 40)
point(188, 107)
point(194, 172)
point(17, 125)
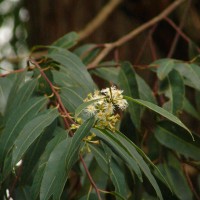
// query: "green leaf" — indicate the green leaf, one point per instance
point(22, 115)
point(189, 108)
point(145, 91)
point(109, 74)
point(160, 111)
point(110, 167)
point(5, 86)
point(118, 142)
point(177, 182)
point(127, 81)
point(164, 66)
point(67, 41)
point(177, 140)
point(19, 80)
point(23, 94)
point(31, 132)
point(176, 91)
point(59, 135)
point(119, 148)
point(87, 52)
point(74, 69)
point(60, 162)
point(191, 74)
point(70, 99)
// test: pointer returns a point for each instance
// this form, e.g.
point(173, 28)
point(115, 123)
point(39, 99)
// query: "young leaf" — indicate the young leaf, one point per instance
point(31, 132)
point(60, 162)
point(128, 83)
point(160, 111)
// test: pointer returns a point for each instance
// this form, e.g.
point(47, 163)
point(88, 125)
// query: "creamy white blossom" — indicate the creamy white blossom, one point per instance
point(108, 100)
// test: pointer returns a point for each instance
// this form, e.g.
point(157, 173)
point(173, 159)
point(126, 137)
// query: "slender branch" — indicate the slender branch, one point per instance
point(13, 72)
point(54, 91)
point(99, 19)
point(90, 178)
point(175, 41)
point(63, 110)
point(183, 35)
point(110, 46)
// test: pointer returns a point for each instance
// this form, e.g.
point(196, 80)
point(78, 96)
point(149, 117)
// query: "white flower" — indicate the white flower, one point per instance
point(122, 104)
point(108, 108)
point(91, 110)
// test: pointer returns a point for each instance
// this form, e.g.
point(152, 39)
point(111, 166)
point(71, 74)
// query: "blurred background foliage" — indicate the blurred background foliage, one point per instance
point(25, 24)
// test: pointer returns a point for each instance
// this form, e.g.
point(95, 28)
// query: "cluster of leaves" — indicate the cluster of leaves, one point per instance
point(143, 159)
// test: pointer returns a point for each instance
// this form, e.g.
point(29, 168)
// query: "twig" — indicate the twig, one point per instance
point(13, 72)
point(90, 178)
point(183, 35)
point(110, 46)
point(63, 110)
point(54, 91)
point(99, 19)
point(174, 43)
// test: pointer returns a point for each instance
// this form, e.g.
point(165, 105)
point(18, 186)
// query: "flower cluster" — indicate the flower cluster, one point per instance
point(105, 103)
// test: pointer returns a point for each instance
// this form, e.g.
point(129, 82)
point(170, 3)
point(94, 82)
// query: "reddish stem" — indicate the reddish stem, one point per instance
point(63, 110)
point(90, 178)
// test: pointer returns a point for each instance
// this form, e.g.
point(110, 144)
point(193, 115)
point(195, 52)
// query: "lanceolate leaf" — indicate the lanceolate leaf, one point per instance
point(118, 147)
point(176, 91)
point(128, 83)
point(160, 111)
point(177, 181)
point(116, 141)
point(109, 74)
point(72, 66)
point(145, 91)
point(174, 139)
point(22, 115)
point(5, 86)
point(67, 41)
point(70, 99)
point(60, 135)
point(19, 79)
point(111, 168)
point(60, 162)
point(164, 67)
point(191, 74)
point(189, 108)
point(31, 132)
point(23, 94)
